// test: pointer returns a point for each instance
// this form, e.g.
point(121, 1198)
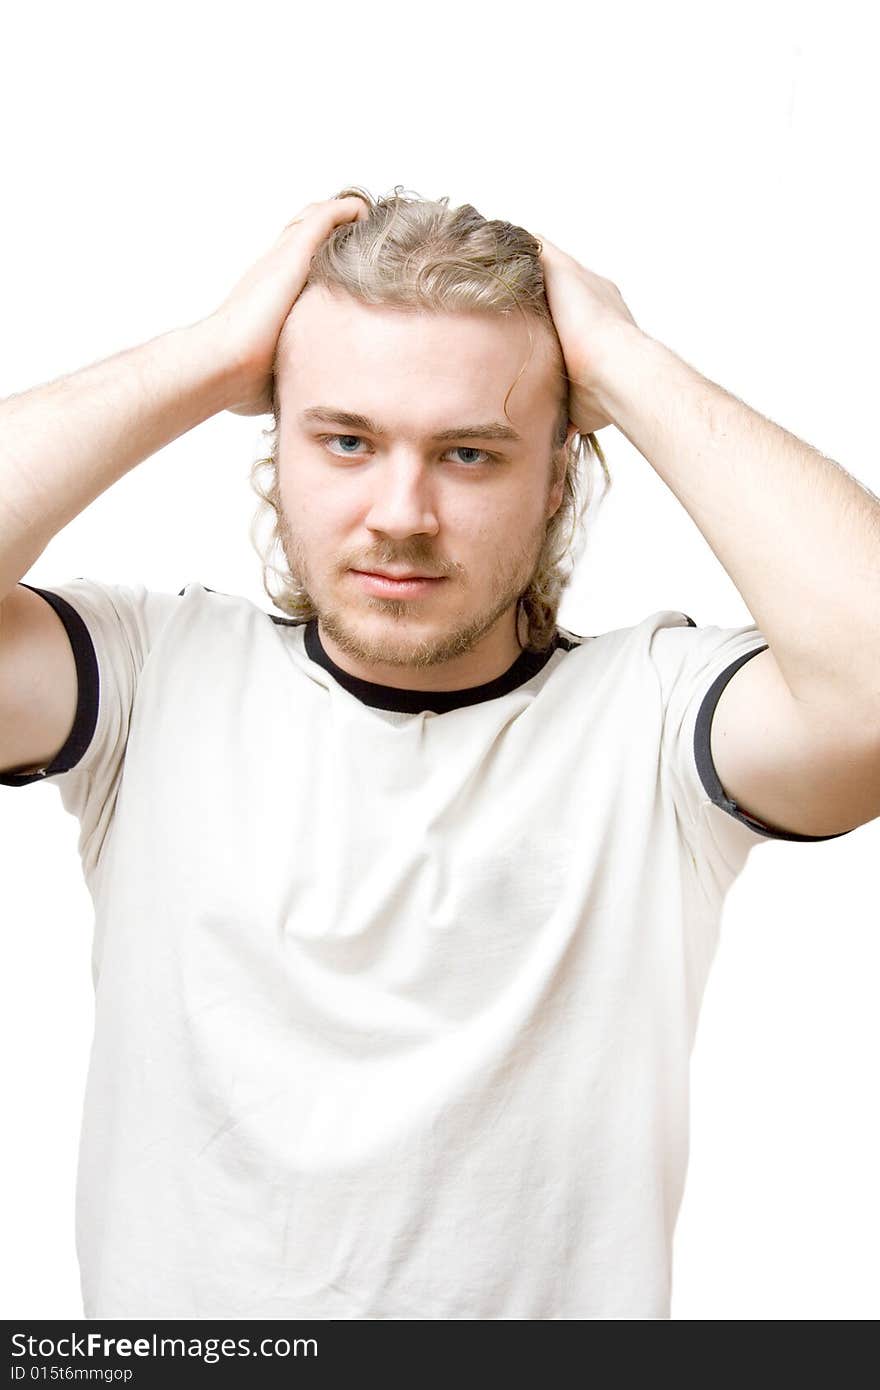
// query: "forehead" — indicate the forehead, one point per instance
point(335, 348)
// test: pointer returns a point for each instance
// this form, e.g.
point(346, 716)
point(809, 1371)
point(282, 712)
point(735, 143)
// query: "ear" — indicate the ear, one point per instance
point(554, 501)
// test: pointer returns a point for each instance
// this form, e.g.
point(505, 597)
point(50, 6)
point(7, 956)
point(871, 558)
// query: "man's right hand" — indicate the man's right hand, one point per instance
point(250, 319)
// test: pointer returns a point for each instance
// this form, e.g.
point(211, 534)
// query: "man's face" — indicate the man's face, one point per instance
point(471, 510)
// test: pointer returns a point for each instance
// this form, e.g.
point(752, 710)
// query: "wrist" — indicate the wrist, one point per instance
point(624, 353)
point(206, 346)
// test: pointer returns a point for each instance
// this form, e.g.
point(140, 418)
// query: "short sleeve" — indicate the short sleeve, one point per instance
point(694, 665)
point(112, 630)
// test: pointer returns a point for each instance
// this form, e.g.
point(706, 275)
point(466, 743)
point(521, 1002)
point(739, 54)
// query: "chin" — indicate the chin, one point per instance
point(392, 632)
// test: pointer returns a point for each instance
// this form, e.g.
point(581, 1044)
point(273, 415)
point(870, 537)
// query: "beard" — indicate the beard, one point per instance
point(512, 573)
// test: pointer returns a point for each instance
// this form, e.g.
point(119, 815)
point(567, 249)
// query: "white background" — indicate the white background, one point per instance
point(719, 165)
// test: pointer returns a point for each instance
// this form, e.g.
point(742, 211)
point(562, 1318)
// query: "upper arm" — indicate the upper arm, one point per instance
point(38, 682)
point(786, 764)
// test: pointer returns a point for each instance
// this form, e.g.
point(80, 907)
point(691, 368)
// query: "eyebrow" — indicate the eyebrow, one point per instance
point(329, 415)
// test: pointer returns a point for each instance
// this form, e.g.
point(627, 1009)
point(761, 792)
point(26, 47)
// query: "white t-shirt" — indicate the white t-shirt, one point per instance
point(395, 992)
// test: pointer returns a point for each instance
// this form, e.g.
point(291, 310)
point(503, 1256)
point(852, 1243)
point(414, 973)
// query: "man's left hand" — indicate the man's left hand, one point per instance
point(588, 313)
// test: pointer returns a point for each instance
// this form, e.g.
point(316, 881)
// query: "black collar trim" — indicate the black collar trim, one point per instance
point(527, 665)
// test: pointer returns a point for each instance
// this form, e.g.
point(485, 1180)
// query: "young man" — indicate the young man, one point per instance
point(402, 916)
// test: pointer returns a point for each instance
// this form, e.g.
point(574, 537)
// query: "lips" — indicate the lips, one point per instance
point(385, 574)
point(380, 586)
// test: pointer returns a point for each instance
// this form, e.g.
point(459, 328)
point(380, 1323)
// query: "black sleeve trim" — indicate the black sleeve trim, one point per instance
point(706, 767)
point(88, 686)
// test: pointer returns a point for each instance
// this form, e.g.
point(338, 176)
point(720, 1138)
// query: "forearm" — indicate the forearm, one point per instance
point(799, 537)
point(64, 443)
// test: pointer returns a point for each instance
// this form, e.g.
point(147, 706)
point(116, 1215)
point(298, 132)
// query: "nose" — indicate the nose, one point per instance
point(402, 502)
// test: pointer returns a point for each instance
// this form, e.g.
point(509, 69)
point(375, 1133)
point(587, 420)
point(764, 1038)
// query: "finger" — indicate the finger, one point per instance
point(335, 207)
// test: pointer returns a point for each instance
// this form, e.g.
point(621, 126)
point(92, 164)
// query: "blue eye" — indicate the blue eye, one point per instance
point(339, 436)
point(459, 448)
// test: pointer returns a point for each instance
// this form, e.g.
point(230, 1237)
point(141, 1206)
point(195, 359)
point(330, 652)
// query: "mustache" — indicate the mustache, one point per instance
point(408, 563)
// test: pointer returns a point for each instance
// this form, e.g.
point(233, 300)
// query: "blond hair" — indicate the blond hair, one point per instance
point(413, 253)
